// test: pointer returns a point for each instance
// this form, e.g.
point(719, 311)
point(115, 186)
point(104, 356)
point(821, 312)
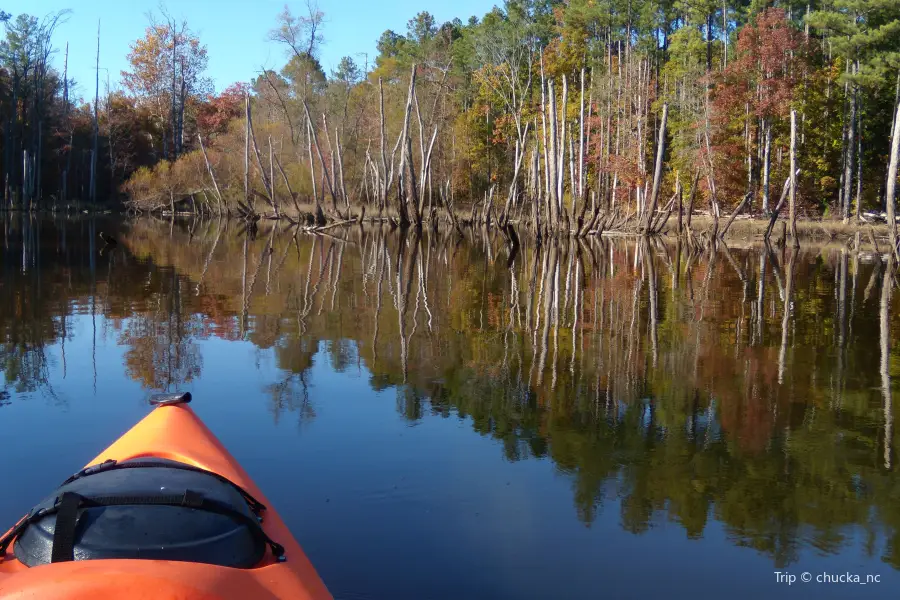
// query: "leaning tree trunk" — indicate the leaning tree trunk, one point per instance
point(315, 141)
point(892, 180)
point(774, 216)
point(690, 206)
point(519, 158)
point(657, 172)
point(406, 155)
point(211, 174)
point(735, 213)
point(320, 214)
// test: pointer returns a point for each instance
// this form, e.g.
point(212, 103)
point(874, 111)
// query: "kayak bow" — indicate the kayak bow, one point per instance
point(164, 512)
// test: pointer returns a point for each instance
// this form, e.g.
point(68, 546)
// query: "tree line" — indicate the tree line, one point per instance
point(576, 116)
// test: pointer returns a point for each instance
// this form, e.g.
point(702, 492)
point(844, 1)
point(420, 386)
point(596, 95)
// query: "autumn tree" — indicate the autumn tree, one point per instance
point(753, 96)
point(556, 108)
point(217, 111)
point(505, 48)
point(126, 127)
point(167, 73)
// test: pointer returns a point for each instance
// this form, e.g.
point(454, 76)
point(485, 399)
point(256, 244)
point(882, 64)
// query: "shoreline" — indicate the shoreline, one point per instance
point(810, 230)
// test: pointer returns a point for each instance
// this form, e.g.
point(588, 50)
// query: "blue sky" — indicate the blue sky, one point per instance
point(235, 31)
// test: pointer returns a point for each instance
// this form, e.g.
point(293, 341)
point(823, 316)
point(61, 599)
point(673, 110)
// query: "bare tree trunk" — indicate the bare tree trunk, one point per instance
point(340, 162)
point(406, 155)
point(858, 210)
point(690, 208)
point(424, 155)
point(320, 215)
point(172, 122)
point(211, 174)
point(272, 177)
point(573, 183)
point(384, 174)
point(774, 216)
point(724, 34)
point(713, 198)
point(93, 188)
point(182, 100)
point(284, 108)
point(680, 193)
point(413, 189)
point(766, 162)
point(332, 181)
point(580, 145)
point(735, 213)
point(657, 172)
point(262, 171)
point(315, 141)
point(561, 147)
point(895, 114)
point(851, 147)
point(247, 150)
point(551, 155)
point(546, 183)
point(287, 184)
point(793, 192)
point(892, 180)
point(587, 142)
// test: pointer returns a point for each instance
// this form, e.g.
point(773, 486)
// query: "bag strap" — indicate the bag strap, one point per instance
point(69, 503)
point(63, 549)
point(112, 465)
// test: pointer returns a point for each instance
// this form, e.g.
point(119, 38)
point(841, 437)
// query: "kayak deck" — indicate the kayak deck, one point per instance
point(172, 432)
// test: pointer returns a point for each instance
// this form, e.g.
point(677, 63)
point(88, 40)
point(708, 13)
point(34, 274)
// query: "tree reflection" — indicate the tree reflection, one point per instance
point(682, 382)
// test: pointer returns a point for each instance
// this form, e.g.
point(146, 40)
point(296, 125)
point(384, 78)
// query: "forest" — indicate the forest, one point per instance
point(573, 117)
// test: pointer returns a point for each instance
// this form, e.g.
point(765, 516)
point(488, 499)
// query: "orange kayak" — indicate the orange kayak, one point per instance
point(164, 512)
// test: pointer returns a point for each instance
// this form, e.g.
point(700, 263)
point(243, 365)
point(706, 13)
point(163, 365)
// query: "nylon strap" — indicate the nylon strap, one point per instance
point(68, 504)
point(64, 532)
point(67, 507)
point(111, 465)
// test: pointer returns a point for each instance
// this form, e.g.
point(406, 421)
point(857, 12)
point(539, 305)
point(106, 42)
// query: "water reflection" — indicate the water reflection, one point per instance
point(670, 382)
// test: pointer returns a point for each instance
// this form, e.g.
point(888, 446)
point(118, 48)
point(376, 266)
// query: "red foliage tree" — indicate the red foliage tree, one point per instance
point(753, 95)
point(768, 64)
point(215, 113)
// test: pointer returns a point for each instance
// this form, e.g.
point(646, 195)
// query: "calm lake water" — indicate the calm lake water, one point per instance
point(439, 418)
